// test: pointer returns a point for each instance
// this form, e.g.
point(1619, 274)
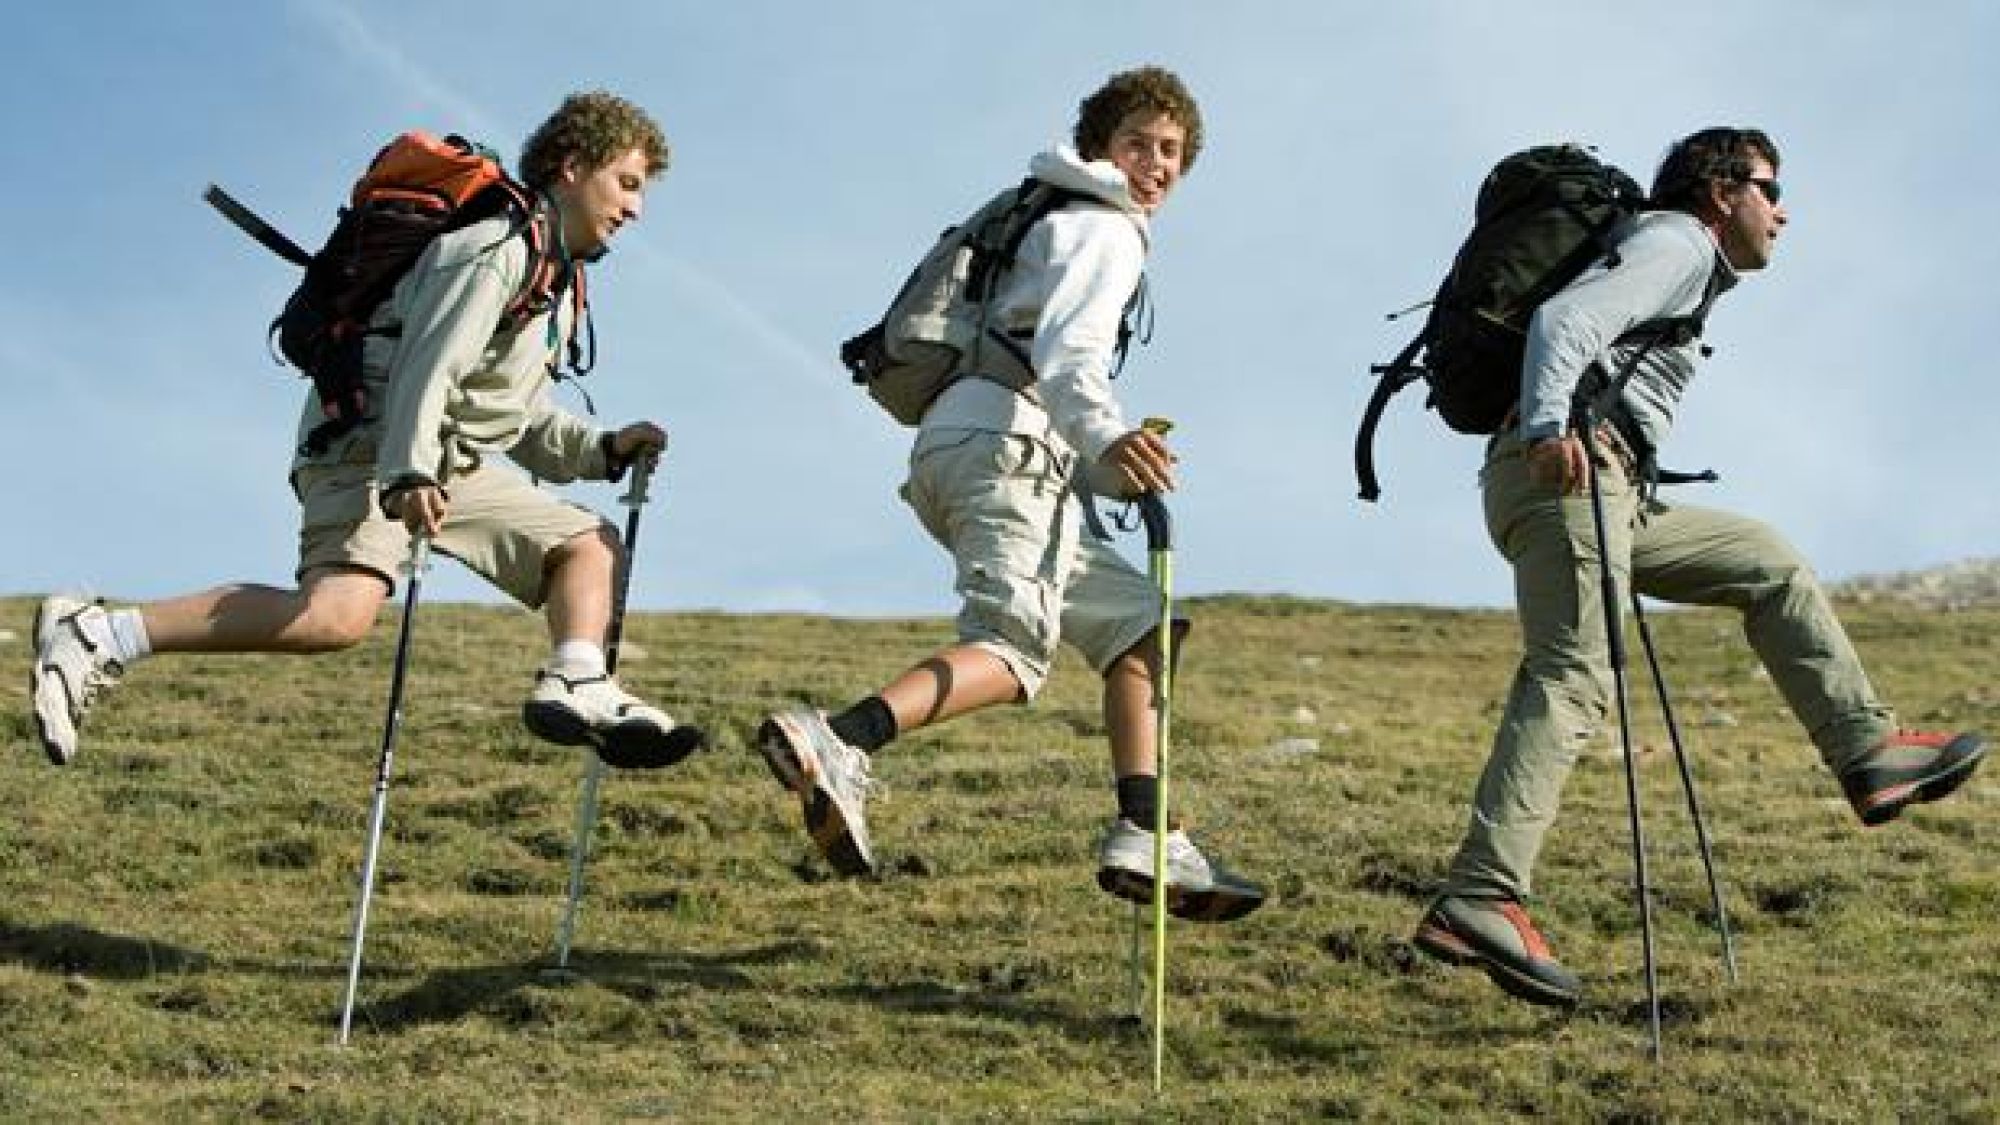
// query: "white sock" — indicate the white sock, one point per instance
point(122, 633)
point(579, 658)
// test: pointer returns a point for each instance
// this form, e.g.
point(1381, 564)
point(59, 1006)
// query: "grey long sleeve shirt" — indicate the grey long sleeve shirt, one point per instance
point(1664, 263)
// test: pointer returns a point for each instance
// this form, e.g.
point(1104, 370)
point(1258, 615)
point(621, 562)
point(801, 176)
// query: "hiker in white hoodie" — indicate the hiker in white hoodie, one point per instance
point(991, 478)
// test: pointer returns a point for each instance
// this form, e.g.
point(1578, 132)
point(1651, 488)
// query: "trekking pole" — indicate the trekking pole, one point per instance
point(1615, 642)
point(1160, 564)
point(1687, 784)
point(420, 547)
point(586, 807)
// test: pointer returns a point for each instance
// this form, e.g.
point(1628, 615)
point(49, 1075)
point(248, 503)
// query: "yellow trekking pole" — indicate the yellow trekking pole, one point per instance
point(1160, 567)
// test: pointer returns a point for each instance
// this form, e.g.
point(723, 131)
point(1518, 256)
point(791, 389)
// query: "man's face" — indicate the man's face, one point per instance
point(1149, 147)
point(596, 203)
point(1750, 217)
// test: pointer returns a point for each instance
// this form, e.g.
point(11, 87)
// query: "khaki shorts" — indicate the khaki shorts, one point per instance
point(498, 524)
point(1029, 579)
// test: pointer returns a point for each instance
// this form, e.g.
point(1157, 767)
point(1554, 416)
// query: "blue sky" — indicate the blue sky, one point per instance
point(819, 147)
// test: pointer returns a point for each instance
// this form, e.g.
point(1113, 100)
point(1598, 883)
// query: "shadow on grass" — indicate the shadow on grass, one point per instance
point(933, 998)
point(533, 992)
point(64, 947)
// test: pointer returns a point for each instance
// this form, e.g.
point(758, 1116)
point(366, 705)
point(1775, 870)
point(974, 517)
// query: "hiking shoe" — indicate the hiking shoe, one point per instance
point(71, 670)
point(1198, 888)
point(624, 730)
point(1910, 767)
point(1496, 935)
point(831, 779)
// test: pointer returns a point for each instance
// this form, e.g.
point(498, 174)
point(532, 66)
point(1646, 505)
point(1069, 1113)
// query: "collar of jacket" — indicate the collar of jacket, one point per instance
point(1099, 179)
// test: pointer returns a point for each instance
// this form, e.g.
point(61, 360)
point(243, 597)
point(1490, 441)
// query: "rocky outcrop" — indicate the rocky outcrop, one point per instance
point(1959, 585)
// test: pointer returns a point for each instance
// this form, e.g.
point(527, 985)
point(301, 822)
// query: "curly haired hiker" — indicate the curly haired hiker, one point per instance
point(454, 385)
point(1718, 216)
point(991, 478)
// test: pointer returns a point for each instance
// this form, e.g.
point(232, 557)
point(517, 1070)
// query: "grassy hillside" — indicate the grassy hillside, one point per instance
point(175, 906)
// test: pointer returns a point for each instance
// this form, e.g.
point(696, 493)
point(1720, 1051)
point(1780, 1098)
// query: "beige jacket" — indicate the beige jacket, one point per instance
point(444, 380)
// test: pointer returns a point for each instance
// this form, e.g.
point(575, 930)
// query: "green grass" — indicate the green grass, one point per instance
point(175, 906)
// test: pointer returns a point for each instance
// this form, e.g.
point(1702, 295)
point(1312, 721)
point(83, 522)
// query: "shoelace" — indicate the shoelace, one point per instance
point(97, 678)
point(859, 766)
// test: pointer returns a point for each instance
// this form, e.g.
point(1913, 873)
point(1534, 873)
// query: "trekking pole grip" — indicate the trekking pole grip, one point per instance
point(638, 492)
point(1159, 525)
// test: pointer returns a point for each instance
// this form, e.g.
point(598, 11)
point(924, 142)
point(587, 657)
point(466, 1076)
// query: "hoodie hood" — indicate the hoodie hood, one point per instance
point(1099, 179)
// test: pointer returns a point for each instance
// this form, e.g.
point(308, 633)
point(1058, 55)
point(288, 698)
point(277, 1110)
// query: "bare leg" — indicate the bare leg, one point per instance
point(333, 609)
point(952, 682)
point(1128, 709)
point(581, 574)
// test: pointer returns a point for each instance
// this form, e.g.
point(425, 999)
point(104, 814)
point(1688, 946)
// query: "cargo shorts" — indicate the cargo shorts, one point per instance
point(499, 524)
point(1027, 576)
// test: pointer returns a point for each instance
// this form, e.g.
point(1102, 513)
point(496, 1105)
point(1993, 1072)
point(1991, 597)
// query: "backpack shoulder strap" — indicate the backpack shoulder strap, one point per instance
point(998, 241)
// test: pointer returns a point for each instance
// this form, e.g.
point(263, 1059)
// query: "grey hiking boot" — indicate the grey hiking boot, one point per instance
point(71, 669)
point(831, 779)
point(1496, 935)
point(1907, 768)
point(1198, 888)
point(592, 710)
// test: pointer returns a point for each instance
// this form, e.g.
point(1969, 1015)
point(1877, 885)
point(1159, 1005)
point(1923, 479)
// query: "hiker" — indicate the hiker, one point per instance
point(450, 386)
point(1715, 214)
point(991, 478)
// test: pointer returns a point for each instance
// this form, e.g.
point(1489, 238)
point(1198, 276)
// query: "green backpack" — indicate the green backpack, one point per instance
point(1542, 217)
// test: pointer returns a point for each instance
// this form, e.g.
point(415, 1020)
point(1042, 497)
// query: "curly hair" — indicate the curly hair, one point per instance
point(1148, 88)
point(1718, 154)
point(595, 128)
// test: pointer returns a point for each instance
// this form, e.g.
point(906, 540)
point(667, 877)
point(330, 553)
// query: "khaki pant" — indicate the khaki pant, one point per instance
point(1562, 689)
point(497, 523)
point(1029, 579)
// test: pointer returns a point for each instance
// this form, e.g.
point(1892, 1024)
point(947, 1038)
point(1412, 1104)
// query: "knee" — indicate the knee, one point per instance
point(336, 626)
point(1579, 680)
point(339, 614)
point(599, 549)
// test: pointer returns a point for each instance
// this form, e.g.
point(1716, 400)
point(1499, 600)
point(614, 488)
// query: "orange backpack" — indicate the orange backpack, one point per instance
point(417, 188)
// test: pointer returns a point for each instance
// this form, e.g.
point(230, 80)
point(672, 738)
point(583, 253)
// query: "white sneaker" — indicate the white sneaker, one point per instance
point(624, 730)
point(1198, 888)
point(830, 777)
point(71, 669)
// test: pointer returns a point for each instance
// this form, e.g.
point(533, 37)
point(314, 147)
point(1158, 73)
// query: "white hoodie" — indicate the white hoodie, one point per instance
point(1069, 284)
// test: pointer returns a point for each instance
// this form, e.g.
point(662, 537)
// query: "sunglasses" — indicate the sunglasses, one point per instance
point(1769, 189)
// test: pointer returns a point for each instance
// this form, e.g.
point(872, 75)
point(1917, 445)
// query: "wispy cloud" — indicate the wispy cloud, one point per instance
point(352, 35)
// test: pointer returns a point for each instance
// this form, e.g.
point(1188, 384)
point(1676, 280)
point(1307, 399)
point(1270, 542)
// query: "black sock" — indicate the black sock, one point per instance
point(1139, 799)
point(867, 726)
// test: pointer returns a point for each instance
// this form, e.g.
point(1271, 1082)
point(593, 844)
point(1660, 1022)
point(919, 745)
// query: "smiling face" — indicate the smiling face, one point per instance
point(596, 203)
point(1150, 147)
point(1748, 216)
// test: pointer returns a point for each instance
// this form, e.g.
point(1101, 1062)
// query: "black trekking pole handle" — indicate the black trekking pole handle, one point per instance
point(254, 225)
point(1159, 525)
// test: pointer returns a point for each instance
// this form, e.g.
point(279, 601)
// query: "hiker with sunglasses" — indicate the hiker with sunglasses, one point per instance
point(990, 478)
point(1718, 214)
point(452, 386)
